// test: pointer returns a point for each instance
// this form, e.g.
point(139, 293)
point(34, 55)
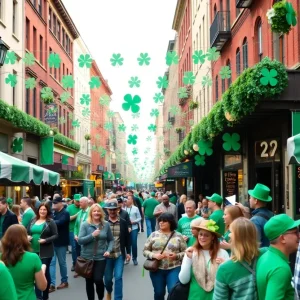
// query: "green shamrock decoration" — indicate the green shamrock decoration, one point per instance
point(191, 122)
point(134, 82)
point(268, 77)
point(10, 58)
point(17, 145)
point(136, 115)
point(158, 97)
point(47, 93)
point(30, 83)
point(62, 120)
point(86, 112)
point(117, 59)
point(291, 14)
point(182, 93)
point(108, 126)
point(149, 138)
point(11, 79)
point(162, 82)
point(72, 132)
point(70, 115)
point(52, 110)
point(206, 80)
point(132, 139)
point(85, 99)
point(144, 59)
point(122, 128)
point(94, 124)
point(189, 78)
point(200, 160)
point(75, 123)
point(110, 114)
point(54, 60)
point(231, 142)
point(95, 82)
point(134, 151)
point(85, 60)
point(205, 147)
point(152, 127)
point(65, 159)
point(65, 96)
point(103, 153)
point(131, 103)
point(67, 81)
point(212, 226)
point(198, 56)
point(225, 72)
point(29, 59)
point(97, 136)
point(168, 126)
point(212, 54)
point(154, 112)
point(134, 127)
point(104, 100)
point(174, 110)
point(172, 58)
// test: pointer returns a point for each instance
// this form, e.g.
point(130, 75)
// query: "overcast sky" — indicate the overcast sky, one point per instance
point(128, 27)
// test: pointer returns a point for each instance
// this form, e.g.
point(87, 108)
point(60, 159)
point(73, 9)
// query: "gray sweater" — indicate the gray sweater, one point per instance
point(87, 241)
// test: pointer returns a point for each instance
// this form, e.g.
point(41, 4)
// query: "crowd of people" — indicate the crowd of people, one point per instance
point(206, 249)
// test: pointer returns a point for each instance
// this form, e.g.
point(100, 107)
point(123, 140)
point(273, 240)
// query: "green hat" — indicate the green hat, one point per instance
point(215, 198)
point(152, 194)
point(77, 197)
point(9, 201)
point(278, 225)
point(261, 192)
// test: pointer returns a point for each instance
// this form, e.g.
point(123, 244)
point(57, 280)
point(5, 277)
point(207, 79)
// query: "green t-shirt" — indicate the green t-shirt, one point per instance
point(7, 286)
point(23, 275)
point(36, 231)
point(217, 216)
point(149, 206)
point(73, 210)
point(27, 217)
point(184, 227)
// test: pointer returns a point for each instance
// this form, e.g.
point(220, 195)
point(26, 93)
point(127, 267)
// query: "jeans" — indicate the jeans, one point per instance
point(133, 237)
point(73, 245)
point(114, 267)
point(60, 253)
point(45, 294)
point(97, 279)
point(150, 224)
point(162, 278)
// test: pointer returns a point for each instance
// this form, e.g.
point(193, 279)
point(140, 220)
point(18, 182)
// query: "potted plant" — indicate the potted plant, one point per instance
point(87, 137)
point(193, 104)
point(178, 129)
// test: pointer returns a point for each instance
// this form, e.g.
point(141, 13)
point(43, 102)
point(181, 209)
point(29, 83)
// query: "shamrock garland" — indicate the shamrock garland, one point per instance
point(132, 139)
point(10, 58)
point(158, 97)
point(11, 79)
point(54, 60)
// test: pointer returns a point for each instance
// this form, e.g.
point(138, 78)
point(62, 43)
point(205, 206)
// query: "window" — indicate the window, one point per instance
point(14, 19)
point(229, 79)
point(259, 40)
point(40, 7)
point(217, 88)
point(215, 10)
point(34, 102)
point(54, 24)
point(63, 38)
point(245, 54)
point(41, 49)
point(1, 9)
point(33, 2)
point(58, 30)
point(34, 42)
point(41, 110)
point(237, 12)
point(14, 92)
point(238, 62)
point(27, 34)
point(27, 100)
point(223, 86)
point(50, 18)
point(50, 51)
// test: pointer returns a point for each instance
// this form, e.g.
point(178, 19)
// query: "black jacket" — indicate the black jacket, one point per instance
point(62, 220)
point(50, 234)
point(9, 219)
point(124, 215)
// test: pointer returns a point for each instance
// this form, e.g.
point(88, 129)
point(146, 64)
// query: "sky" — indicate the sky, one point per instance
point(128, 27)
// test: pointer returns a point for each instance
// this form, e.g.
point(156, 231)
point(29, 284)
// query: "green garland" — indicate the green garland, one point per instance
point(239, 100)
point(279, 22)
point(20, 119)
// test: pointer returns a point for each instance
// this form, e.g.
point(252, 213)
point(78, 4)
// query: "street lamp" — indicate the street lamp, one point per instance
point(3, 51)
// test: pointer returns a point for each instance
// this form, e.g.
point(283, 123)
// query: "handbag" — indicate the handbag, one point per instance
point(83, 266)
point(152, 264)
point(180, 291)
point(253, 272)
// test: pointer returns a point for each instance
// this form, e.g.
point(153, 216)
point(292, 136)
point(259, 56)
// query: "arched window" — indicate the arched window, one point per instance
point(238, 61)
point(259, 39)
point(215, 10)
point(245, 54)
point(217, 88)
point(228, 64)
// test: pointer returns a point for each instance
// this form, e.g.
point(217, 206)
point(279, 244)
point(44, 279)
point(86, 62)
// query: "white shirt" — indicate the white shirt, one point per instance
point(134, 215)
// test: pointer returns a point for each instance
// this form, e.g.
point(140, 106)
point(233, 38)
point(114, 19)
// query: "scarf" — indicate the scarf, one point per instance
point(205, 276)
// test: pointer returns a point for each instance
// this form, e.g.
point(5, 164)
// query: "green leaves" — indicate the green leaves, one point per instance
point(95, 82)
point(30, 83)
point(68, 81)
point(154, 112)
point(268, 77)
point(162, 82)
point(10, 58)
point(134, 82)
point(172, 58)
point(189, 78)
point(85, 99)
point(29, 59)
point(47, 93)
point(200, 160)
point(144, 59)
point(225, 72)
point(17, 145)
point(158, 97)
point(85, 61)
point(104, 100)
point(231, 142)
point(182, 93)
point(54, 60)
point(291, 14)
point(117, 59)
point(198, 57)
point(213, 54)
point(11, 79)
point(205, 147)
point(132, 139)
point(65, 96)
point(76, 123)
point(131, 103)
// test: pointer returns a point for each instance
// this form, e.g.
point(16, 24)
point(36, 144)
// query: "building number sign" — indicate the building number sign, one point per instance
point(267, 150)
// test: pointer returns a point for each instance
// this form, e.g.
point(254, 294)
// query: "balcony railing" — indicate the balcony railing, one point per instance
point(220, 31)
point(243, 3)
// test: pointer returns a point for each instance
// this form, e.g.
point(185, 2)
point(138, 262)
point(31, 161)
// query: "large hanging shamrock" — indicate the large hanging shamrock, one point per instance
point(29, 59)
point(172, 58)
point(121, 127)
point(10, 58)
point(291, 14)
point(198, 56)
point(144, 59)
point(11, 79)
point(17, 145)
point(54, 60)
point(131, 103)
point(132, 139)
point(68, 81)
point(85, 60)
point(268, 77)
point(205, 147)
point(152, 127)
point(231, 142)
point(162, 82)
point(30, 83)
point(200, 160)
point(158, 97)
point(95, 82)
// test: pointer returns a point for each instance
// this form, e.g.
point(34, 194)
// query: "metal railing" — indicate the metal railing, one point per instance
point(220, 24)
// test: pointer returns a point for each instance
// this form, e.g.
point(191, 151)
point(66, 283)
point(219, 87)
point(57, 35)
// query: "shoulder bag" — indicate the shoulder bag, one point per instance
point(152, 264)
point(253, 272)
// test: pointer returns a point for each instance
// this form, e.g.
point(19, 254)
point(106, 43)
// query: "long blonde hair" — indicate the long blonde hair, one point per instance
point(244, 244)
point(102, 214)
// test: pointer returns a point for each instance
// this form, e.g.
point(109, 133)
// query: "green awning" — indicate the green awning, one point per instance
point(293, 149)
point(19, 171)
point(108, 176)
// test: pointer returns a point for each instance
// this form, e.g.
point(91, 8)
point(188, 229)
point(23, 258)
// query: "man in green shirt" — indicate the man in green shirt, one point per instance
point(73, 210)
point(184, 223)
point(28, 214)
point(214, 204)
point(148, 209)
point(273, 273)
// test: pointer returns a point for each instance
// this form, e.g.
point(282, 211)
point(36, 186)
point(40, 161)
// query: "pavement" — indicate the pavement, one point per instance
point(135, 286)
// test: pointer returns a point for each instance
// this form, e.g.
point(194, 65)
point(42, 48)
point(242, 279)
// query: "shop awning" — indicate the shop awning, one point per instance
point(108, 176)
point(293, 149)
point(19, 171)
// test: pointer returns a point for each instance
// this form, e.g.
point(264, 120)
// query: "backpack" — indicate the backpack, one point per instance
point(253, 272)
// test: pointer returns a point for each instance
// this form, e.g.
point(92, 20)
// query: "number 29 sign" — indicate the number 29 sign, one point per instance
point(267, 150)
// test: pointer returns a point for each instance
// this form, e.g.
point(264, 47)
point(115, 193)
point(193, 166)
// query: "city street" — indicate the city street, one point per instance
point(136, 287)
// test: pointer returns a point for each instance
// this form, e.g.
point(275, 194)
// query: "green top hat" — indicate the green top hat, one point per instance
point(278, 225)
point(215, 198)
point(77, 197)
point(261, 192)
